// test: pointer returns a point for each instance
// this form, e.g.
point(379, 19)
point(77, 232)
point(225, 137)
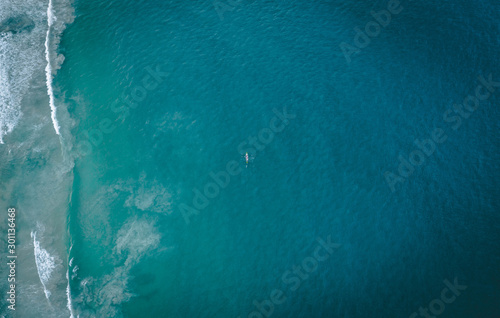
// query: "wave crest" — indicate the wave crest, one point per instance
point(55, 27)
point(45, 264)
point(20, 55)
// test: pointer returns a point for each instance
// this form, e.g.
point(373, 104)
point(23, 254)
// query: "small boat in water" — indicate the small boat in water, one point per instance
point(247, 158)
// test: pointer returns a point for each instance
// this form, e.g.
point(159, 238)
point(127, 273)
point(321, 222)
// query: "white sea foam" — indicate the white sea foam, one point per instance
point(75, 272)
point(18, 60)
point(21, 58)
point(134, 240)
point(68, 287)
point(45, 264)
point(146, 195)
point(68, 294)
point(51, 18)
point(9, 114)
point(150, 197)
point(136, 237)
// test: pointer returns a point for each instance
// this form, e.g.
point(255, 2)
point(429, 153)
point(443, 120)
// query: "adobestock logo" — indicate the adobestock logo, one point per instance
point(437, 306)
point(427, 146)
point(266, 135)
point(372, 30)
point(294, 278)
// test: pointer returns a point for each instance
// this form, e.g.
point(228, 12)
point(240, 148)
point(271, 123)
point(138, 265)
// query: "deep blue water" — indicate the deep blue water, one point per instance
point(164, 93)
point(323, 175)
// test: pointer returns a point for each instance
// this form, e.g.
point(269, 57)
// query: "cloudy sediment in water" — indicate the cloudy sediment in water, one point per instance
point(250, 159)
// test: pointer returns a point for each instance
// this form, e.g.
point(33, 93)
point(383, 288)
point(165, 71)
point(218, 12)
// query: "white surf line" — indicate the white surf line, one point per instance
point(68, 288)
point(68, 294)
point(48, 69)
point(44, 264)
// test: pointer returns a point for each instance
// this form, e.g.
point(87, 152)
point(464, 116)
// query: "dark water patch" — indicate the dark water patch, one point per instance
point(17, 24)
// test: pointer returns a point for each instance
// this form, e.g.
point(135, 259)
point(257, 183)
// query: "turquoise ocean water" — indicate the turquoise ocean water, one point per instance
point(143, 205)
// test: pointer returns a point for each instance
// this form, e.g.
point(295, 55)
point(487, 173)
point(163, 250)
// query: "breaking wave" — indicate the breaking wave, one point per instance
point(49, 69)
point(21, 57)
point(45, 264)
